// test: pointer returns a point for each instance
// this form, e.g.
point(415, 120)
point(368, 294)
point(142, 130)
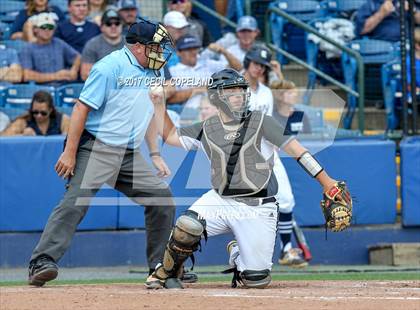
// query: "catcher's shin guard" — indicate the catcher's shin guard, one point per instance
point(184, 241)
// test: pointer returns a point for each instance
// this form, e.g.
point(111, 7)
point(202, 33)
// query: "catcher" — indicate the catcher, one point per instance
point(240, 145)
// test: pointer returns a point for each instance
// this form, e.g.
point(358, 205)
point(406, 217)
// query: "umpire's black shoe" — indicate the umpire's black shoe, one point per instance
point(41, 270)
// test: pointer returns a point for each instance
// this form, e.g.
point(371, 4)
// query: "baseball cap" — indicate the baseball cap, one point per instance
point(187, 41)
point(108, 15)
point(144, 32)
point(260, 55)
point(43, 19)
point(126, 4)
point(175, 19)
point(247, 23)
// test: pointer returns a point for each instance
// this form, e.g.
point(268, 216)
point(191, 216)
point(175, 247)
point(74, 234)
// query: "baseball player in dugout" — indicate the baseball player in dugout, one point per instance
point(240, 145)
point(108, 124)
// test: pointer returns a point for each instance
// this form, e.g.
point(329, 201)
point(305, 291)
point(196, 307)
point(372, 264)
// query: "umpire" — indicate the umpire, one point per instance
point(108, 124)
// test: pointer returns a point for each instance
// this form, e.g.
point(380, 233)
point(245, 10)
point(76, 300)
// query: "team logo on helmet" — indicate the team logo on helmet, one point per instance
point(232, 136)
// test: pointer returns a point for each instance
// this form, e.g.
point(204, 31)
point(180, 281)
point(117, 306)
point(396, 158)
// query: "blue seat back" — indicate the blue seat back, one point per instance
point(4, 31)
point(286, 35)
point(337, 6)
point(10, 7)
point(17, 97)
point(374, 51)
point(18, 45)
point(68, 93)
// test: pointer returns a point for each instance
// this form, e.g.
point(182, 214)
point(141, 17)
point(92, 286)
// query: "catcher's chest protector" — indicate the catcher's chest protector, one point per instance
point(237, 166)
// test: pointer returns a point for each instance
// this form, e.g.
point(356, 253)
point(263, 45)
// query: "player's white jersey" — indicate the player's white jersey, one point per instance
point(261, 100)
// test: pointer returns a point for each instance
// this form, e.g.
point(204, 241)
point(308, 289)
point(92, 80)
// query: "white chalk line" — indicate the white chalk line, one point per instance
point(327, 298)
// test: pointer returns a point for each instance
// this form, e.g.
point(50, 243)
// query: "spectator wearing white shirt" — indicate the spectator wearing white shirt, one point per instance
point(190, 66)
point(247, 33)
point(177, 25)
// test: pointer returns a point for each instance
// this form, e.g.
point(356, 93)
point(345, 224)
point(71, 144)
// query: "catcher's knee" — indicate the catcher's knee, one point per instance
point(184, 241)
point(255, 278)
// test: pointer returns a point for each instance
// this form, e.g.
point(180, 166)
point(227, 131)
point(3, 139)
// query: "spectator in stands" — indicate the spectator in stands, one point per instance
point(128, 12)
point(380, 19)
point(96, 9)
point(417, 46)
point(77, 30)
point(10, 68)
point(192, 67)
point(42, 119)
point(256, 64)
point(49, 59)
point(110, 40)
point(285, 96)
point(21, 28)
point(247, 33)
point(4, 122)
point(176, 24)
point(197, 27)
point(206, 108)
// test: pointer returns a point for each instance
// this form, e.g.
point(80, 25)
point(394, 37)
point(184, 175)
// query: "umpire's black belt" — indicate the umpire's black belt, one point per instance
point(254, 201)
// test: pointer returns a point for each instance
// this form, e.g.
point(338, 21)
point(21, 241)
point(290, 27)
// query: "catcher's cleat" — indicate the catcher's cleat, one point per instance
point(171, 283)
point(153, 283)
point(42, 270)
point(189, 277)
point(293, 258)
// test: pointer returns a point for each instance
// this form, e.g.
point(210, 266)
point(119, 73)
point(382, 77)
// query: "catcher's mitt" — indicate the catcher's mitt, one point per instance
point(337, 207)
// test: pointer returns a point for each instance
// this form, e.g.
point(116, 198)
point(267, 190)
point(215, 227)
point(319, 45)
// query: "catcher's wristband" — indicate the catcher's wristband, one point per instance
point(154, 154)
point(310, 164)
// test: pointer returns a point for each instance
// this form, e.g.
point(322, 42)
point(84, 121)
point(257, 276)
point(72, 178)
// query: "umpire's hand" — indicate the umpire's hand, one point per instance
point(65, 165)
point(161, 166)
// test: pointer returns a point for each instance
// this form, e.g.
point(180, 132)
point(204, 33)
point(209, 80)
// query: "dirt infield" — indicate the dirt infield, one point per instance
point(280, 295)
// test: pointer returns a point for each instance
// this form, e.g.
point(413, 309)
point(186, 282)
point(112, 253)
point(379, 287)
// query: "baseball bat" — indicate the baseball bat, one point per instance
point(301, 241)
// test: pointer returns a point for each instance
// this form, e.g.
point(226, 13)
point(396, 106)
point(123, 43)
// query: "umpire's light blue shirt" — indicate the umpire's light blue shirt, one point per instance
point(118, 93)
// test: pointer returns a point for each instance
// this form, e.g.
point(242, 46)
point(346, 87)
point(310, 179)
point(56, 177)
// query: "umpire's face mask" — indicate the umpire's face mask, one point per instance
point(160, 49)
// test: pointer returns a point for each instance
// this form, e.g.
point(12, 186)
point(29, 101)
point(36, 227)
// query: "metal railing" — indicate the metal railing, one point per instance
point(360, 94)
point(360, 65)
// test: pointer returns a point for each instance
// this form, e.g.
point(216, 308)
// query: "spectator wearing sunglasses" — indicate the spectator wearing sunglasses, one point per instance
point(22, 28)
point(42, 119)
point(197, 27)
point(49, 59)
point(108, 41)
point(77, 30)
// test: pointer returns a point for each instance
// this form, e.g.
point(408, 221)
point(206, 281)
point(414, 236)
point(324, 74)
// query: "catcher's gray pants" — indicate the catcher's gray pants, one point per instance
point(126, 171)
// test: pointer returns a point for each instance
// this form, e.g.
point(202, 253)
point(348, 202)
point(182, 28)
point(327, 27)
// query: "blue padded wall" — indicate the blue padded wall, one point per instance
point(368, 168)
point(410, 180)
point(30, 188)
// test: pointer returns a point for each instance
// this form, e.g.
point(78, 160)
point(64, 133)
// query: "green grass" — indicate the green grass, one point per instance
point(355, 276)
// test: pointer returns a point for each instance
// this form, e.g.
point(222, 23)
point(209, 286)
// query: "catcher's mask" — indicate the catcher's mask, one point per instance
point(158, 43)
point(230, 92)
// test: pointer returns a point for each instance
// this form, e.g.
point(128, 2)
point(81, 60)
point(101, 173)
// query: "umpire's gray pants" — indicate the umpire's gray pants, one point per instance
point(126, 171)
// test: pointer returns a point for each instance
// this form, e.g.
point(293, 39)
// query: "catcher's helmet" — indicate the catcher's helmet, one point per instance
point(258, 54)
point(229, 78)
point(157, 40)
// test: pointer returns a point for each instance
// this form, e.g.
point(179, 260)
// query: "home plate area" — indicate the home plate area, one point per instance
point(280, 295)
